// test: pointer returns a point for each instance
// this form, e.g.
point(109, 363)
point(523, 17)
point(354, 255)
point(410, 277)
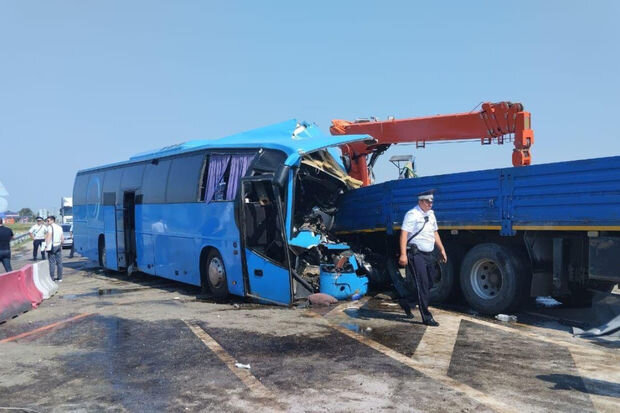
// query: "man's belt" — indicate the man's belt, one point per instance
point(414, 250)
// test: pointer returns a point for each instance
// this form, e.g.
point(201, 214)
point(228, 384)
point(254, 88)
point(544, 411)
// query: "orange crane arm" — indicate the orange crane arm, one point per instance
point(494, 121)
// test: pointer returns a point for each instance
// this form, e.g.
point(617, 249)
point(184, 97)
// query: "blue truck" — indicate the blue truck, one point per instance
point(510, 233)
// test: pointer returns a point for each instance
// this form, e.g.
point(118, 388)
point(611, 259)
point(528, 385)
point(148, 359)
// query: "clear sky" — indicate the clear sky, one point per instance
point(84, 83)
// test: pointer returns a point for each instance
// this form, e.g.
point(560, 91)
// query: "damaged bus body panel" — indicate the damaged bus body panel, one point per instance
point(250, 214)
point(300, 195)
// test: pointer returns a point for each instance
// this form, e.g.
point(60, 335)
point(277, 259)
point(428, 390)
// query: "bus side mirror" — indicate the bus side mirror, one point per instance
point(281, 176)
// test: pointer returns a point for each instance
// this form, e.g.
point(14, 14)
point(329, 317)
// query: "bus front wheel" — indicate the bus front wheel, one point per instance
point(216, 275)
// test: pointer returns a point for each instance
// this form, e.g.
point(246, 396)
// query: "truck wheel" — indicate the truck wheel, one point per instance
point(492, 278)
point(445, 283)
point(216, 275)
point(602, 286)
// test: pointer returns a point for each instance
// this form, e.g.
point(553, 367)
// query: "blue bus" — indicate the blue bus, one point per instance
point(250, 215)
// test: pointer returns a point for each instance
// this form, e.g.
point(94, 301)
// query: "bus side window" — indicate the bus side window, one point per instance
point(223, 175)
point(154, 183)
point(112, 182)
point(79, 189)
point(183, 179)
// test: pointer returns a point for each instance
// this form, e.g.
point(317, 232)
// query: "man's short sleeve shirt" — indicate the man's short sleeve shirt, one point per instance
point(38, 231)
point(414, 221)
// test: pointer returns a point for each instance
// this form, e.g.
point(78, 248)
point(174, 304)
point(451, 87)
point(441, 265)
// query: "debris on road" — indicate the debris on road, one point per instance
point(506, 317)
point(242, 366)
point(321, 299)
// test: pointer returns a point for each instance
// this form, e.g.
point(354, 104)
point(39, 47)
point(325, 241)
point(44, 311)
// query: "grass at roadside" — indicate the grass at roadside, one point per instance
point(17, 228)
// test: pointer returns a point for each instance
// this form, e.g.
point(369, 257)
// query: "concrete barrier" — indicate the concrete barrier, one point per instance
point(13, 300)
point(42, 279)
point(29, 288)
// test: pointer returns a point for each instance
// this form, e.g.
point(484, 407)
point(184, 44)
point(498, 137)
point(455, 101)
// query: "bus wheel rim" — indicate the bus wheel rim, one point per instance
point(485, 279)
point(216, 272)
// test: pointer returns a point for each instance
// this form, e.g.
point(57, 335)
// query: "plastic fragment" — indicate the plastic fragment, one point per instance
point(506, 317)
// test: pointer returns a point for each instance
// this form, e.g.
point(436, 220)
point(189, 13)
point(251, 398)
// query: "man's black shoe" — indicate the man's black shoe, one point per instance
point(431, 322)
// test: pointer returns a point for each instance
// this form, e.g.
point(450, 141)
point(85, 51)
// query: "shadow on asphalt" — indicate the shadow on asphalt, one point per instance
point(582, 384)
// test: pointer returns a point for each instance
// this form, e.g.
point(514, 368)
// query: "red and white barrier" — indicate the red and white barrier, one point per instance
point(30, 290)
point(24, 289)
point(13, 298)
point(42, 279)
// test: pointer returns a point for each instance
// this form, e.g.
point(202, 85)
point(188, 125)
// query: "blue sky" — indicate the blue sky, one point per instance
point(84, 83)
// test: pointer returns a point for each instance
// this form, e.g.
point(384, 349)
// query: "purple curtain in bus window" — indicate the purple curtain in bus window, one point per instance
point(217, 168)
point(238, 167)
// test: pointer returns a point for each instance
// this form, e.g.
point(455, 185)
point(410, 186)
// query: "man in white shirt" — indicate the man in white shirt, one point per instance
point(418, 237)
point(37, 234)
point(53, 245)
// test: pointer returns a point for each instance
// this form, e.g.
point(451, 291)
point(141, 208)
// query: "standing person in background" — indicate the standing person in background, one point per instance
point(53, 245)
point(37, 234)
point(6, 235)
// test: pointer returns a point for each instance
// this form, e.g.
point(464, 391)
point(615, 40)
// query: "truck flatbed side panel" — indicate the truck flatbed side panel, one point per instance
point(566, 194)
point(576, 195)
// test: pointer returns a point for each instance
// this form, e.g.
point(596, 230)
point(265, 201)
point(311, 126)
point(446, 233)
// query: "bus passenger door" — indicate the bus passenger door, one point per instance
point(109, 233)
point(265, 250)
point(120, 238)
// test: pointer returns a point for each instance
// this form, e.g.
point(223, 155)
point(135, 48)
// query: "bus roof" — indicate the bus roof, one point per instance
point(291, 137)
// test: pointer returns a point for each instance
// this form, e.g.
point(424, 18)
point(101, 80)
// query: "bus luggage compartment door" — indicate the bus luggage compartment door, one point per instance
point(266, 255)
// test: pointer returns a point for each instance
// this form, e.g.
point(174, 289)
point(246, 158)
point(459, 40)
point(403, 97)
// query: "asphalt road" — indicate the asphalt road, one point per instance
point(112, 342)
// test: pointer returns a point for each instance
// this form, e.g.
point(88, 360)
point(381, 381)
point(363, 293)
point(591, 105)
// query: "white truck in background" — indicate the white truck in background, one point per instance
point(66, 210)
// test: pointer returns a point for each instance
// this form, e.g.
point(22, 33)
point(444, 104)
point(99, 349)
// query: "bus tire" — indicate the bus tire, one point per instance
point(216, 274)
point(493, 279)
point(101, 249)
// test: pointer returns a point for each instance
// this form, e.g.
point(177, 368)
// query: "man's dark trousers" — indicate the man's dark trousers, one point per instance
point(35, 248)
point(5, 258)
point(54, 257)
point(420, 271)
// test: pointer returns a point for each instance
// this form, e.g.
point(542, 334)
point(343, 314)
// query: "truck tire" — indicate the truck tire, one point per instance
point(445, 284)
point(581, 295)
point(602, 286)
point(493, 278)
point(216, 275)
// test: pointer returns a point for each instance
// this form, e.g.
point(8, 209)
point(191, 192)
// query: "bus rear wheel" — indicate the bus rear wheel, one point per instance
point(492, 278)
point(215, 272)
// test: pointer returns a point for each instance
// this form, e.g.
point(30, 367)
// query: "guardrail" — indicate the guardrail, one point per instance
point(18, 239)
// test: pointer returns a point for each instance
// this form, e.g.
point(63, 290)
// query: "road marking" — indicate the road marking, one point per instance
point(477, 395)
point(250, 381)
point(437, 344)
point(519, 329)
point(591, 363)
point(44, 328)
